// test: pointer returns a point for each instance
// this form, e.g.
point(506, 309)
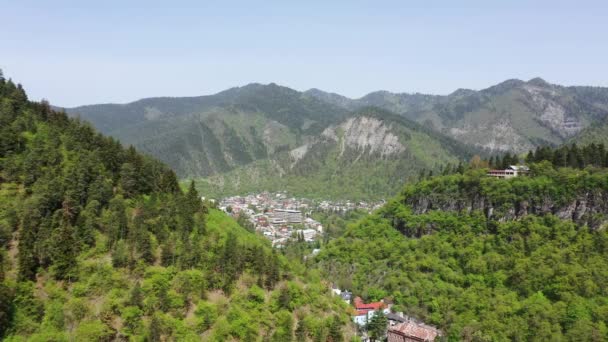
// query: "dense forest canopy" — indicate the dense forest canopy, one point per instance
point(483, 277)
point(97, 242)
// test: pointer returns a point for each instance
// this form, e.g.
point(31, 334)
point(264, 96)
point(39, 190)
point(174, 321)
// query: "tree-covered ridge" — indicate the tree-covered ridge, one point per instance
point(206, 135)
point(99, 243)
point(579, 195)
point(573, 155)
point(536, 278)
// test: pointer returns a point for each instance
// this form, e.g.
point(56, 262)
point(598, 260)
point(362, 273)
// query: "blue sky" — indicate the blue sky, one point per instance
point(74, 53)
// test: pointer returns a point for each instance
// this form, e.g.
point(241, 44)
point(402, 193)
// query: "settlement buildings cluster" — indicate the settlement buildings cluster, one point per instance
point(280, 217)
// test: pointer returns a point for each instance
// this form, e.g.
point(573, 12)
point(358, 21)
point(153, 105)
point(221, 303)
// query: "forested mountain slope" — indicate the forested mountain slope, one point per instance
point(368, 155)
point(488, 259)
point(98, 243)
point(267, 137)
point(511, 116)
point(206, 135)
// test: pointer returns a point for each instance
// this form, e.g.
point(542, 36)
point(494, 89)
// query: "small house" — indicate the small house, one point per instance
point(510, 172)
point(365, 311)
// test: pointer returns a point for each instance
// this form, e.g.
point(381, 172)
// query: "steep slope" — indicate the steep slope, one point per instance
point(365, 156)
point(513, 115)
point(98, 243)
point(596, 133)
point(201, 136)
point(486, 259)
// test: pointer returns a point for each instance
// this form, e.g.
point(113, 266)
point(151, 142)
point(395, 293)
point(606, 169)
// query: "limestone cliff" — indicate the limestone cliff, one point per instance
point(584, 202)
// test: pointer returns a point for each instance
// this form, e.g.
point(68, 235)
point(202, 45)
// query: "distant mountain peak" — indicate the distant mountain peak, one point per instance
point(319, 92)
point(315, 91)
point(504, 86)
point(460, 92)
point(537, 81)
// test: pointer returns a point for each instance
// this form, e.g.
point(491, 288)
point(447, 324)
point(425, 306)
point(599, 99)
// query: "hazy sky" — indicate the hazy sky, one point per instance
point(74, 53)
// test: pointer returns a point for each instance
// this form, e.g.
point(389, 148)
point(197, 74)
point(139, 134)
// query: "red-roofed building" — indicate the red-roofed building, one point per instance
point(360, 305)
point(412, 332)
point(365, 311)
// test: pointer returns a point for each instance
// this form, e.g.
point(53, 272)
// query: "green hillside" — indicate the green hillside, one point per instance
point(367, 156)
point(487, 275)
point(98, 243)
point(206, 135)
point(267, 137)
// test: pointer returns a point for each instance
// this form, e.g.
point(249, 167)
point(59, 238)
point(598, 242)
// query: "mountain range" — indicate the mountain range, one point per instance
point(511, 116)
point(314, 142)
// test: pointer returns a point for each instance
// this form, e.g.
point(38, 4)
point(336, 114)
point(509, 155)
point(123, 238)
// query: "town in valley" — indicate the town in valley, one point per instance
point(280, 218)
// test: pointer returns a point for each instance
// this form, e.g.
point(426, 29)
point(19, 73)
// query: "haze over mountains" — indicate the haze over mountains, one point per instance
point(269, 136)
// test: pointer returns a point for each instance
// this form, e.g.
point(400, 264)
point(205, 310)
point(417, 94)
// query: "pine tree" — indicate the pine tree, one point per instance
point(560, 158)
point(115, 220)
point(136, 296)
point(272, 272)
point(460, 168)
point(506, 161)
point(193, 199)
point(447, 170)
point(377, 326)
point(530, 157)
point(26, 257)
point(45, 238)
point(87, 224)
point(128, 180)
point(144, 247)
point(139, 237)
point(64, 250)
point(168, 182)
point(601, 155)
point(120, 255)
point(185, 255)
point(167, 253)
point(100, 190)
point(229, 261)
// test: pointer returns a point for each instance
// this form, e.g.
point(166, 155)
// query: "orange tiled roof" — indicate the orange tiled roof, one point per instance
point(418, 331)
point(360, 305)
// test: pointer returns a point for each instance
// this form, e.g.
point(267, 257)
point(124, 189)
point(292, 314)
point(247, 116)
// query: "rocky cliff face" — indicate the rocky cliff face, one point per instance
point(365, 133)
point(589, 207)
